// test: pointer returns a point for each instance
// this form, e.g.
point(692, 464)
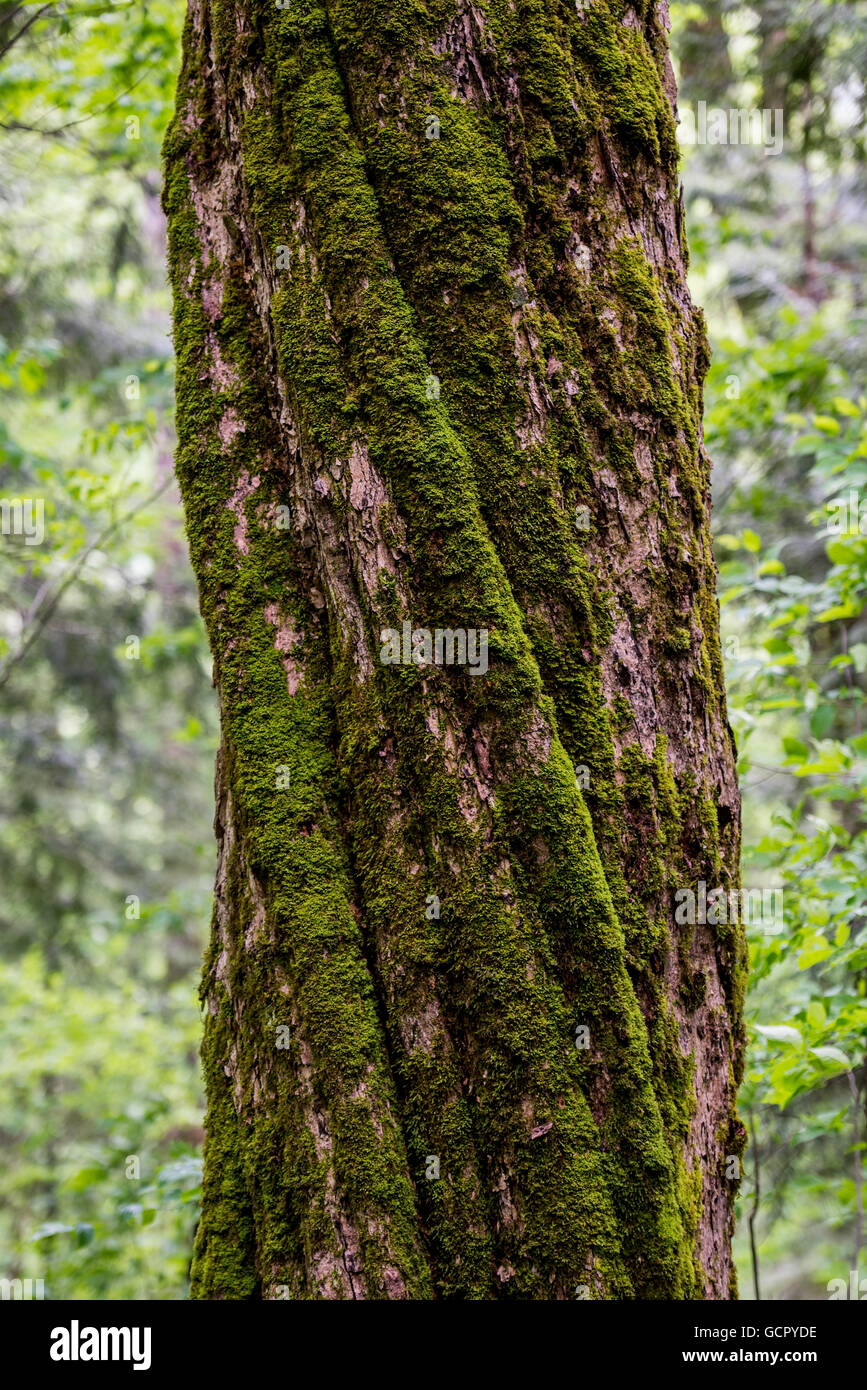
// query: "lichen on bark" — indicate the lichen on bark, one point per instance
point(430, 305)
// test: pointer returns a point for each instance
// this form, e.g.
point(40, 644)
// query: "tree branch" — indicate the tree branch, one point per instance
point(40, 613)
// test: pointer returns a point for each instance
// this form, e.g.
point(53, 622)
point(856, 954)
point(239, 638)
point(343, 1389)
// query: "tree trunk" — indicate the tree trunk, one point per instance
point(438, 372)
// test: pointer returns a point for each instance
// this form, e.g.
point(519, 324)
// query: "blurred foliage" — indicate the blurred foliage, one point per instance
point(778, 244)
point(107, 719)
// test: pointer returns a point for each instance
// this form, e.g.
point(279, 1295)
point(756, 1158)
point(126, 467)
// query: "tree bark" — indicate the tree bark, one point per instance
point(437, 365)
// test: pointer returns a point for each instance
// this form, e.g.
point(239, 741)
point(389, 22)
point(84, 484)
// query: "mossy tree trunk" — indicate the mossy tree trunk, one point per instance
point(438, 366)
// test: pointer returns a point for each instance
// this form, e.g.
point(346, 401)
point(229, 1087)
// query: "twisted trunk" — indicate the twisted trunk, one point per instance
point(438, 372)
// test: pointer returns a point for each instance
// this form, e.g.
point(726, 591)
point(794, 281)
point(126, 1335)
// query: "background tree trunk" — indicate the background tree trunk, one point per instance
point(437, 364)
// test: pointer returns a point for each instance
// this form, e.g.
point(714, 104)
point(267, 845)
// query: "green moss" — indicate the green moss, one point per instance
point(631, 95)
point(679, 640)
point(550, 915)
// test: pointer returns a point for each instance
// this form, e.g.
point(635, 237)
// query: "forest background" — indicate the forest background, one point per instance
point(108, 722)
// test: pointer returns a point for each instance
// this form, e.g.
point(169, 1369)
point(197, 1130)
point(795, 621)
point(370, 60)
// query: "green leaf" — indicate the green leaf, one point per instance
point(51, 1228)
point(833, 1056)
point(816, 950)
point(795, 748)
point(821, 720)
point(840, 611)
point(816, 1015)
point(842, 552)
point(858, 653)
point(752, 542)
point(780, 1032)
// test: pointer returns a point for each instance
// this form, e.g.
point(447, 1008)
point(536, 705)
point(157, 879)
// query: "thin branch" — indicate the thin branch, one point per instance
point(755, 1207)
point(79, 120)
point(19, 33)
point(784, 772)
point(859, 1174)
point(41, 617)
